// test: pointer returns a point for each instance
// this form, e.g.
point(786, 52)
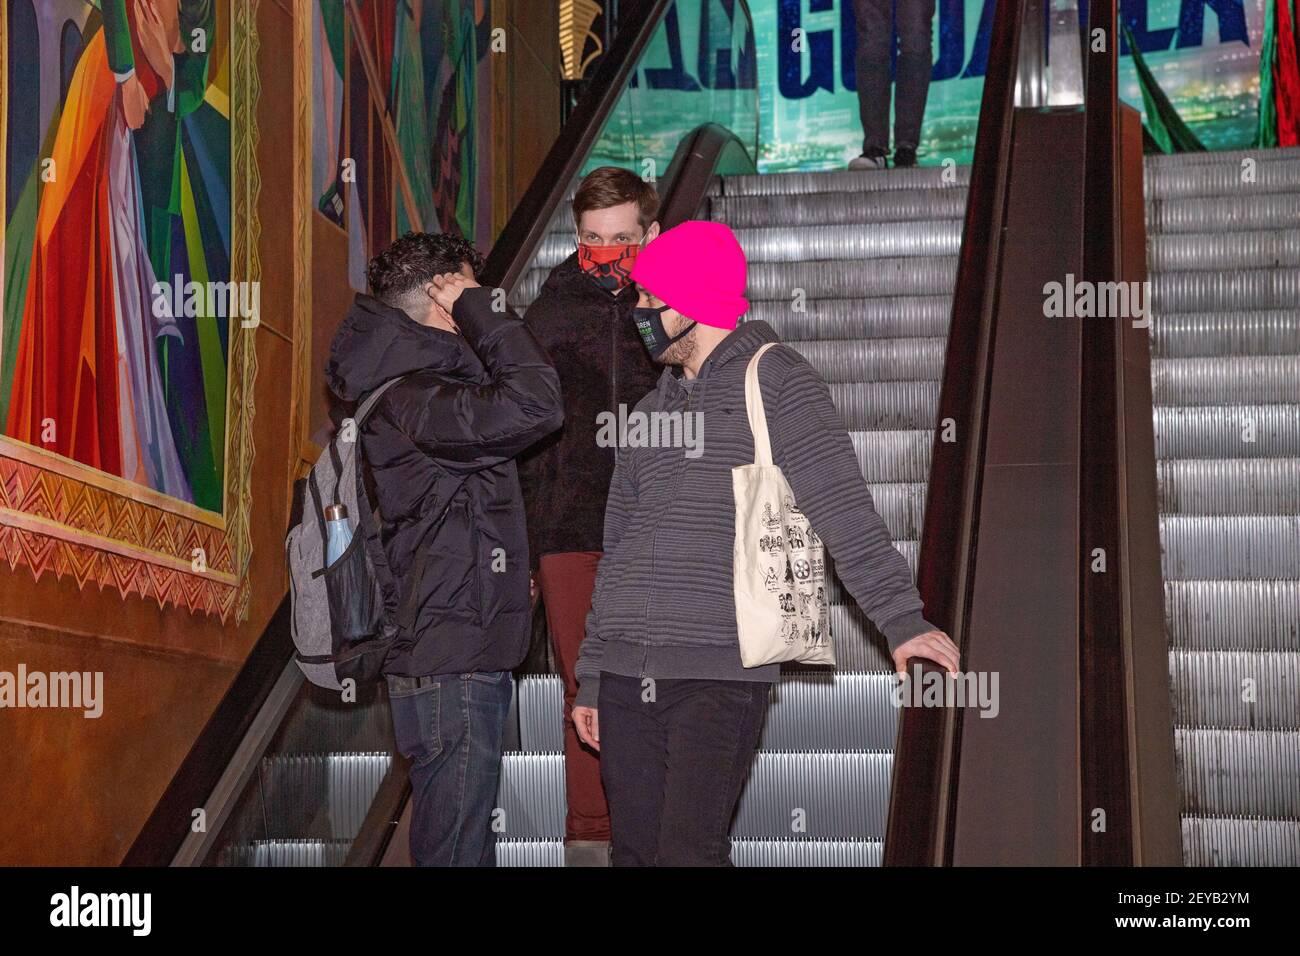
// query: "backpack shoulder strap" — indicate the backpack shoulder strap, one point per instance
point(364, 409)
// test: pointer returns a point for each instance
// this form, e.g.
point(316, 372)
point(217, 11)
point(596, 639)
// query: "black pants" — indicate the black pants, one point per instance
point(877, 20)
point(674, 755)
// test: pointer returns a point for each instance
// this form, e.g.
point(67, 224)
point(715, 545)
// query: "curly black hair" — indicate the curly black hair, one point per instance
point(413, 260)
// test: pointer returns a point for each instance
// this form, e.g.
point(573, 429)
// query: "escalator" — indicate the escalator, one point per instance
point(855, 271)
point(1224, 261)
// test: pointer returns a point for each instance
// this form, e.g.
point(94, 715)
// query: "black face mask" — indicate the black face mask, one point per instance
point(650, 324)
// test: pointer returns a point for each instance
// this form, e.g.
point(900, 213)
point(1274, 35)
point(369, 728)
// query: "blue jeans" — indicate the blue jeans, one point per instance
point(451, 728)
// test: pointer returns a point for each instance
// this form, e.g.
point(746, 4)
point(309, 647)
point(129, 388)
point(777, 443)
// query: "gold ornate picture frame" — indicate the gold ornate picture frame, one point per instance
point(59, 515)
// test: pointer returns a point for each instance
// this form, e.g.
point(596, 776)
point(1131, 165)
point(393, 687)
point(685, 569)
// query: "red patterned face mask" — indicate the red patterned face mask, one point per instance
point(610, 266)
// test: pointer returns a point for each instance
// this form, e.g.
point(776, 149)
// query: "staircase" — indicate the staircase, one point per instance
point(1224, 261)
point(855, 271)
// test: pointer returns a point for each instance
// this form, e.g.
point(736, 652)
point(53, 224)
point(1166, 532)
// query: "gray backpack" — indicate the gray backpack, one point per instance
point(342, 615)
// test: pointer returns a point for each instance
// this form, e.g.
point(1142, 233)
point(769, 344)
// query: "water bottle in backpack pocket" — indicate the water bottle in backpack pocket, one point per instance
point(341, 595)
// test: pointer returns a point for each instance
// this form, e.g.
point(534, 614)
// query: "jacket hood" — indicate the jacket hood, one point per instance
point(376, 342)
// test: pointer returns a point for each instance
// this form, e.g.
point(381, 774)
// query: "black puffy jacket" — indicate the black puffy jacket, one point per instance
point(602, 363)
point(444, 439)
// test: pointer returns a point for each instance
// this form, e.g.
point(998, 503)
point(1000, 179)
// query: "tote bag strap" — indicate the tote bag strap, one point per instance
point(754, 408)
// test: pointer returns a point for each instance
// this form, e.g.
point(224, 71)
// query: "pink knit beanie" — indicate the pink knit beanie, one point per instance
point(697, 268)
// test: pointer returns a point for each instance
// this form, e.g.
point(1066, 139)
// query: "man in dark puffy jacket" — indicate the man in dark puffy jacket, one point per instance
point(476, 390)
point(583, 318)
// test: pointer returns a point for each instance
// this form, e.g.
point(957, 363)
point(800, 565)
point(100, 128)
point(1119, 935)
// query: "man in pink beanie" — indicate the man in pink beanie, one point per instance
point(662, 690)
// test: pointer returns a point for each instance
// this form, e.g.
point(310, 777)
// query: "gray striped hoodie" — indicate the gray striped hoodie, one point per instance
point(663, 605)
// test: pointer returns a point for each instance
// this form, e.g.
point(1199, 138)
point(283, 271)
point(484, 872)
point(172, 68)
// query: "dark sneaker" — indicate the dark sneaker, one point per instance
point(904, 157)
point(871, 159)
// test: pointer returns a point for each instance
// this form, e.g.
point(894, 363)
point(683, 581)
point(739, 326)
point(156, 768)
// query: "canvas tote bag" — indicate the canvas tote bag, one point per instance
point(779, 562)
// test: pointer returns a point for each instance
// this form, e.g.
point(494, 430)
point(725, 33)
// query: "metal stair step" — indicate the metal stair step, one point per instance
point(1223, 249)
point(865, 209)
point(1211, 689)
point(850, 181)
point(267, 853)
point(1239, 772)
point(1212, 290)
point(530, 795)
point(885, 406)
point(1234, 547)
point(807, 852)
point(1222, 175)
point(823, 794)
point(1239, 841)
point(1233, 615)
point(908, 275)
point(1225, 431)
point(1227, 380)
point(893, 454)
point(1230, 213)
point(831, 711)
point(1192, 334)
point(875, 360)
point(847, 245)
point(882, 318)
point(1227, 486)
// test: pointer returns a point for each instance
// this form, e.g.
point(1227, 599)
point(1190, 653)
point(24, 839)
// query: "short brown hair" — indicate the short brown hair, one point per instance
point(609, 186)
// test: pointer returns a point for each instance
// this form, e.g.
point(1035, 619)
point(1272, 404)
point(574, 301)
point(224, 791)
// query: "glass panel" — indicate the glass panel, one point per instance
point(310, 792)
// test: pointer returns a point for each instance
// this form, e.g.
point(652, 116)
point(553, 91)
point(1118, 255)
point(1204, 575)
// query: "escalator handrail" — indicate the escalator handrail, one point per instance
point(923, 792)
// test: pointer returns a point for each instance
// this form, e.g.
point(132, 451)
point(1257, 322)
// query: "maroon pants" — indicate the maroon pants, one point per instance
point(566, 581)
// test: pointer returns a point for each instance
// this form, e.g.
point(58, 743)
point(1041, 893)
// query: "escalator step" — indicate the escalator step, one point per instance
point(893, 455)
point(1253, 249)
point(1209, 687)
point(285, 853)
point(1227, 486)
point(519, 852)
point(1212, 290)
point(1227, 380)
point(862, 209)
point(1227, 431)
point(850, 181)
point(830, 795)
point(1240, 772)
point(530, 795)
point(1165, 180)
point(886, 406)
point(875, 360)
point(1232, 213)
point(1240, 841)
point(810, 852)
point(1233, 615)
point(1231, 547)
point(541, 713)
point(909, 275)
point(915, 316)
point(831, 711)
point(849, 245)
point(1191, 334)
